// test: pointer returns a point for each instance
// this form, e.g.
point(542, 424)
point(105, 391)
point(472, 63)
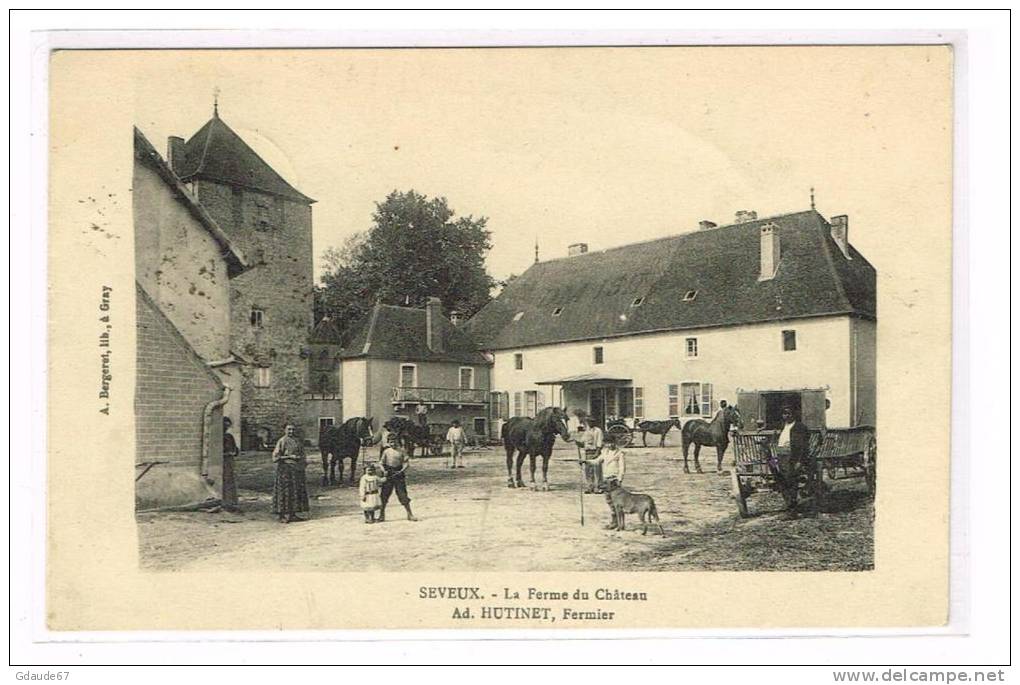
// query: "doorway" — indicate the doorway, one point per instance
point(597, 406)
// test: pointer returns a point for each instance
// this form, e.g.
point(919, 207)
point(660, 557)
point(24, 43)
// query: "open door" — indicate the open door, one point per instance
point(812, 409)
point(749, 406)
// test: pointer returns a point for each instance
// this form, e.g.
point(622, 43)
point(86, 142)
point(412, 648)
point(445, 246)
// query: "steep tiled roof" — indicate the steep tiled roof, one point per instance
point(217, 153)
point(146, 154)
point(717, 269)
point(389, 332)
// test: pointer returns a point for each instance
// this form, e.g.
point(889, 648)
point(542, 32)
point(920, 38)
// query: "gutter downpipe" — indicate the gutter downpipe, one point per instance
point(207, 432)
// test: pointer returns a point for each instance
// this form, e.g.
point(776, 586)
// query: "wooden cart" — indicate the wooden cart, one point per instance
point(836, 453)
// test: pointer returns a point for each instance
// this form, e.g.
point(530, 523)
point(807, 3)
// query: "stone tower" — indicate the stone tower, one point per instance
point(271, 304)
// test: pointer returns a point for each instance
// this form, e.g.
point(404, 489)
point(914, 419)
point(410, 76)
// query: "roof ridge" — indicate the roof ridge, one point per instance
point(674, 236)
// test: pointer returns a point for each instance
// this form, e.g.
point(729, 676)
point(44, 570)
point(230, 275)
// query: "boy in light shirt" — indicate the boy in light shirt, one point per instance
point(455, 436)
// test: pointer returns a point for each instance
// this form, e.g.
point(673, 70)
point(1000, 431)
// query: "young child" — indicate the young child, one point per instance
point(368, 488)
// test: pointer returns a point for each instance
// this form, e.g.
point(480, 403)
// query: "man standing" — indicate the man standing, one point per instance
point(592, 449)
point(455, 436)
point(230, 451)
point(791, 457)
point(395, 464)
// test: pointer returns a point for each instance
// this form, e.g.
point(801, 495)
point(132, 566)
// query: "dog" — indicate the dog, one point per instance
point(623, 502)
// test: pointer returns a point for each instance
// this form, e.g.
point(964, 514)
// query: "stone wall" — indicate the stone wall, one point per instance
point(276, 236)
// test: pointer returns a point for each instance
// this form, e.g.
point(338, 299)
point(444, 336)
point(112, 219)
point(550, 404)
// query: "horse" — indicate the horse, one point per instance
point(533, 438)
point(659, 428)
point(344, 441)
point(715, 434)
point(409, 434)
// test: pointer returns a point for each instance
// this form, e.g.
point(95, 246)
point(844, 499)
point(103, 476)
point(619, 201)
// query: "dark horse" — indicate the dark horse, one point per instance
point(708, 434)
point(659, 428)
point(337, 443)
point(409, 434)
point(533, 438)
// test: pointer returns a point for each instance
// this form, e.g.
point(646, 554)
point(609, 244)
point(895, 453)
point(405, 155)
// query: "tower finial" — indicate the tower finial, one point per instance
point(536, 249)
point(216, 102)
point(812, 197)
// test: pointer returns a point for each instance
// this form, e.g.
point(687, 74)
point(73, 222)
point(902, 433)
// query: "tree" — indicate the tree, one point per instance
point(414, 250)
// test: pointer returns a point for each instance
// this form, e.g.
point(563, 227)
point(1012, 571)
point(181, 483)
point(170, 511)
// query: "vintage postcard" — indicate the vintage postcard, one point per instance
point(555, 338)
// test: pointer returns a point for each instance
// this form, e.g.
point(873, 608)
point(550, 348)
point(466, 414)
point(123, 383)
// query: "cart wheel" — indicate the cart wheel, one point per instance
point(738, 494)
point(870, 467)
point(624, 439)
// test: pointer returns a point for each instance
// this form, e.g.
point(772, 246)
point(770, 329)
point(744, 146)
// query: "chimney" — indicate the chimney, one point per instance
point(769, 251)
point(705, 225)
point(745, 215)
point(175, 152)
point(433, 328)
point(576, 249)
point(839, 226)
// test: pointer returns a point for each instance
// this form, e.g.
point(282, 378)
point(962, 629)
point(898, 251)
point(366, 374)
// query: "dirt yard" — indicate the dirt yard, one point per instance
point(470, 520)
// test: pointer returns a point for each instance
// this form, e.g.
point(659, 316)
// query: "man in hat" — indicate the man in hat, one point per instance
point(791, 456)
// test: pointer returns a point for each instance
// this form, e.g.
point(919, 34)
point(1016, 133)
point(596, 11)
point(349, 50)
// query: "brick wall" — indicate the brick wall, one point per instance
point(280, 285)
point(172, 389)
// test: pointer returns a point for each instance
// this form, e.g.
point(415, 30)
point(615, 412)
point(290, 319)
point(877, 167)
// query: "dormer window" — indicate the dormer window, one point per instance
point(690, 295)
point(518, 315)
point(557, 311)
point(638, 301)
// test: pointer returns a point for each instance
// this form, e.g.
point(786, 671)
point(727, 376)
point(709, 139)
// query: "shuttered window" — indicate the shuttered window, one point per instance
point(639, 403)
point(674, 400)
point(504, 405)
point(517, 404)
point(467, 377)
point(706, 399)
point(531, 403)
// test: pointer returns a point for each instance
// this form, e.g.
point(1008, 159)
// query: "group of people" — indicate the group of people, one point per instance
point(290, 489)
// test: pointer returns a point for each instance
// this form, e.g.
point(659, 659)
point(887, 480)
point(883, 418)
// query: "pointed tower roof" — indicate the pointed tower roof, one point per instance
point(217, 153)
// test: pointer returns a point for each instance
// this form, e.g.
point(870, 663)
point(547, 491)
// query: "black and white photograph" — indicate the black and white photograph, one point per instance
point(578, 340)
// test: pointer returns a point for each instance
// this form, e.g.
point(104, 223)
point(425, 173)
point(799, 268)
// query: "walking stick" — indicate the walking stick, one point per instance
point(581, 464)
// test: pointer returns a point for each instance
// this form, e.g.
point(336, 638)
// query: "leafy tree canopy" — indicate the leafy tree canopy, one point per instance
point(414, 249)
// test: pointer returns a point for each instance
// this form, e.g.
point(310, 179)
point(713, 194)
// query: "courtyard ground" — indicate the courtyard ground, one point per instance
point(471, 521)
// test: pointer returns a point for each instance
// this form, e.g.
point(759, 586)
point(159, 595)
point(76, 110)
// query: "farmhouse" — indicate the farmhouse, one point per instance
point(400, 361)
point(762, 312)
point(186, 375)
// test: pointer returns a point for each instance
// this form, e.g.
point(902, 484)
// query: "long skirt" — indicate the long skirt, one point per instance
point(229, 484)
point(290, 494)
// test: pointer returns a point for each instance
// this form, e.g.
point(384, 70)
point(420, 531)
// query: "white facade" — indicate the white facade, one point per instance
point(831, 354)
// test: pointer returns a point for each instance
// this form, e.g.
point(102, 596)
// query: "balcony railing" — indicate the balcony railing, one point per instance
point(440, 395)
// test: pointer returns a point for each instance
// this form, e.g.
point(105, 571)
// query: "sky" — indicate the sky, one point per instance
point(606, 146)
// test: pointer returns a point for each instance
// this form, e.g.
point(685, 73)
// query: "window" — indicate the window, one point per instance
point(696, 399)
point(517, 404)
point(639, 403)
point(518, 315)
point(479, 425)
point(691, 347)
point(557, 311)
point(626, 396)
point(599, 355)
point(262, 214)
point(257, 316)
point(674, 400)
point(408, 376)
point(611, 407)
point(690, 295)
point(467, 377)
point(263, 377)
point(789, 341)
point(638, 301)
point(530, 402)
point(518, 361)
point(325, 422)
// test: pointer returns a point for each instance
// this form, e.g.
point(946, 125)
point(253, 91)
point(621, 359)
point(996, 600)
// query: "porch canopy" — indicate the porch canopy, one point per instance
point(586, 378)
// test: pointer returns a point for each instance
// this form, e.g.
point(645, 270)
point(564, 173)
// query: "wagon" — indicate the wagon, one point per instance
point(836, 453)
point(620, 431)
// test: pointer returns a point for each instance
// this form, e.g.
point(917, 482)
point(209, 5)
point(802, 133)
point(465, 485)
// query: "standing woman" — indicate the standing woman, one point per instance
point(290, 494)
